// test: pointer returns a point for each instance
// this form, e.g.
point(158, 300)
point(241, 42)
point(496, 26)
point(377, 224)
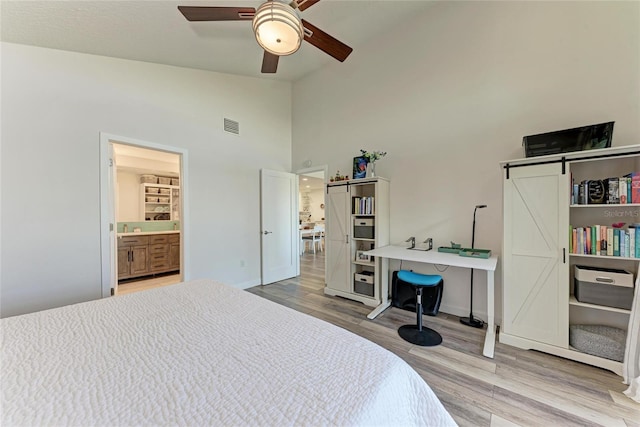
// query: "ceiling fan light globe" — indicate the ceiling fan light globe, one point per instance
point(277, 28)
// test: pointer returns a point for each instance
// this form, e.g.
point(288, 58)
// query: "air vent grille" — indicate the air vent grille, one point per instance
point(231, 126)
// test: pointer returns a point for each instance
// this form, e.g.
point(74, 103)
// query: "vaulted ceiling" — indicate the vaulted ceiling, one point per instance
point(155, 31)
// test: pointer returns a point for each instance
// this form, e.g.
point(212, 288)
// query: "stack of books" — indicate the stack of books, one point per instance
point(363, 206)
point(618, 190)
point(603, 240)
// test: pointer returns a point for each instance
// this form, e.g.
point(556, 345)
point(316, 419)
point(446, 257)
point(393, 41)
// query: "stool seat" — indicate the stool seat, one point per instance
point(417, 334)
point(418, 279)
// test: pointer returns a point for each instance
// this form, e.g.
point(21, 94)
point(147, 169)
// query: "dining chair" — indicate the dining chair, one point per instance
point(313, 236)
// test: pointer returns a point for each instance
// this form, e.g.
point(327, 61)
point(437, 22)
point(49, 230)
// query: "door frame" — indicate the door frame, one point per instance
point(108, 225)
point(304, 171)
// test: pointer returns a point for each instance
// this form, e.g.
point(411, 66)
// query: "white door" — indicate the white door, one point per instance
point(536, 265)
point(337, 235)
point(279, 223)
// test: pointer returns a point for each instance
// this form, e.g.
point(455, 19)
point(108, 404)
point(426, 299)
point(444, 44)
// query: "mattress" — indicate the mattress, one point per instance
point(201, 353)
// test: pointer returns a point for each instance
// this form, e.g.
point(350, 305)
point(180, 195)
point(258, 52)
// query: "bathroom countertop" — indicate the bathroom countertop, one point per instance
point(147, 233)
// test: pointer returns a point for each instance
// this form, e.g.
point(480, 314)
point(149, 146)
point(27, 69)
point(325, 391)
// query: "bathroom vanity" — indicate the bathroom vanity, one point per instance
point(147, 253)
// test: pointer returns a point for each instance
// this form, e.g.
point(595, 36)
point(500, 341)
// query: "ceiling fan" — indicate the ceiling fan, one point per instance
point(277, 26)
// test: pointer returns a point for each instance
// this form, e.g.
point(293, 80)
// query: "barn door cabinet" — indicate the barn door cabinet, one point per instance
point(357, 220)
point(538, 267)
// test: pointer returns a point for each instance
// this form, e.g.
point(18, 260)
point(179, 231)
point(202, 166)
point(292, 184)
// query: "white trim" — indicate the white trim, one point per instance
point(107, 211)
point(247, 284)
point(325, 169)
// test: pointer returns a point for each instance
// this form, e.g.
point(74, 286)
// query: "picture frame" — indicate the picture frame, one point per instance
point(359, 167)
point(360, 256)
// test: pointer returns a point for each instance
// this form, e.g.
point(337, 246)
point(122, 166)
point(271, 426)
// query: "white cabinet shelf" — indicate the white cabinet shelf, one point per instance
point(538, 268)
point(605, 205)
point(160, 202)
point(348, 276)
point(621, 258)
point(574, 301)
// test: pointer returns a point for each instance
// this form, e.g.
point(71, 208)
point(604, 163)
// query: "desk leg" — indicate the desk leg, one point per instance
point(382, 270)
point(490, 337)
point(379, 309)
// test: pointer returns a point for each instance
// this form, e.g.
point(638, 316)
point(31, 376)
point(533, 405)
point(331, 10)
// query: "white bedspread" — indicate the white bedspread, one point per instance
point(201, 353)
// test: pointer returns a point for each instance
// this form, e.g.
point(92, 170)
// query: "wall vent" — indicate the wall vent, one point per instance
point(231, 126)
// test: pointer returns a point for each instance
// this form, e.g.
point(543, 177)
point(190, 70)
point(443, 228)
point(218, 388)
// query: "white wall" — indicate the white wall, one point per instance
point(55, 104)
point(128, 197)
point(453, 92)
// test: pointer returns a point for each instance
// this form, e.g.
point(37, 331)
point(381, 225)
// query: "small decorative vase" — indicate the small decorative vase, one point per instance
point(371, 170)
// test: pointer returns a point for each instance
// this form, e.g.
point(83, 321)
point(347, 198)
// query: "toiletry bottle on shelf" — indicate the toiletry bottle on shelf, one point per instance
point(125, 229)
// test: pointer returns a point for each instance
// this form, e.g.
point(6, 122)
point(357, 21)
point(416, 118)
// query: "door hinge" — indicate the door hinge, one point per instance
point(111, 226)
point(113, 291)
point(110, 162)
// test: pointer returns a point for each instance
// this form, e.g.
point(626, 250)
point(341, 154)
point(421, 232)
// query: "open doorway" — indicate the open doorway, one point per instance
point(142, 191)
point(311, 187)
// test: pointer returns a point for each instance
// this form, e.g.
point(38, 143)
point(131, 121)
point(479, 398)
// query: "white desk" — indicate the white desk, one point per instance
point(454, 260)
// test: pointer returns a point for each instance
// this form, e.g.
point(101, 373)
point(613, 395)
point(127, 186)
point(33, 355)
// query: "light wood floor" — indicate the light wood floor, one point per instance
point(142, 285)
point(517, 387)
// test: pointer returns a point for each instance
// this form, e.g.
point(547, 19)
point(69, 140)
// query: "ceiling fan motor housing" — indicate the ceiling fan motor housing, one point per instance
point(278, 28)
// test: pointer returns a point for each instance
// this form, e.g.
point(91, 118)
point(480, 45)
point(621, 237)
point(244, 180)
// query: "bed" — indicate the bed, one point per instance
point(201, 353)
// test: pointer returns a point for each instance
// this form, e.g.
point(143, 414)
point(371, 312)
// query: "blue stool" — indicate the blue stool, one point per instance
point(416, 334)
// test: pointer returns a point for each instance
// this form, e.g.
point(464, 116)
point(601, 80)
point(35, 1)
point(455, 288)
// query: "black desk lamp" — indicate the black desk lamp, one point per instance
point(470, 321)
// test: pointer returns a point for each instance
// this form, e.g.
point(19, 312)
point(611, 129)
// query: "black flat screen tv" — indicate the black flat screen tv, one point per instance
point(563, 141)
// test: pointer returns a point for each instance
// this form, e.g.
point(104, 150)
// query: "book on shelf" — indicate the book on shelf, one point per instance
point(612, 187)
point(635, 186)
point(616, 242)
point(622, 190)
point(572, 239)
point(610, 241)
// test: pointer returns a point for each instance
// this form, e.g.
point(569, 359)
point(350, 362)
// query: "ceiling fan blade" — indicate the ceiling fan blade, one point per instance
point(325, 42)
point(269, 62)
point(304, 4)
point(211, 13)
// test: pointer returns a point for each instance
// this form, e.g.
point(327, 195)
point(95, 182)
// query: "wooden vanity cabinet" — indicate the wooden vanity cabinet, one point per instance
point(133, 256)
point(158, 253)
point(174, 251)
point(149, 254)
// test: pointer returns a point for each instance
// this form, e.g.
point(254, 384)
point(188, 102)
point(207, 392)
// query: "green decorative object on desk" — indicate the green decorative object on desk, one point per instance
point(475, 253)
point(453, 249)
